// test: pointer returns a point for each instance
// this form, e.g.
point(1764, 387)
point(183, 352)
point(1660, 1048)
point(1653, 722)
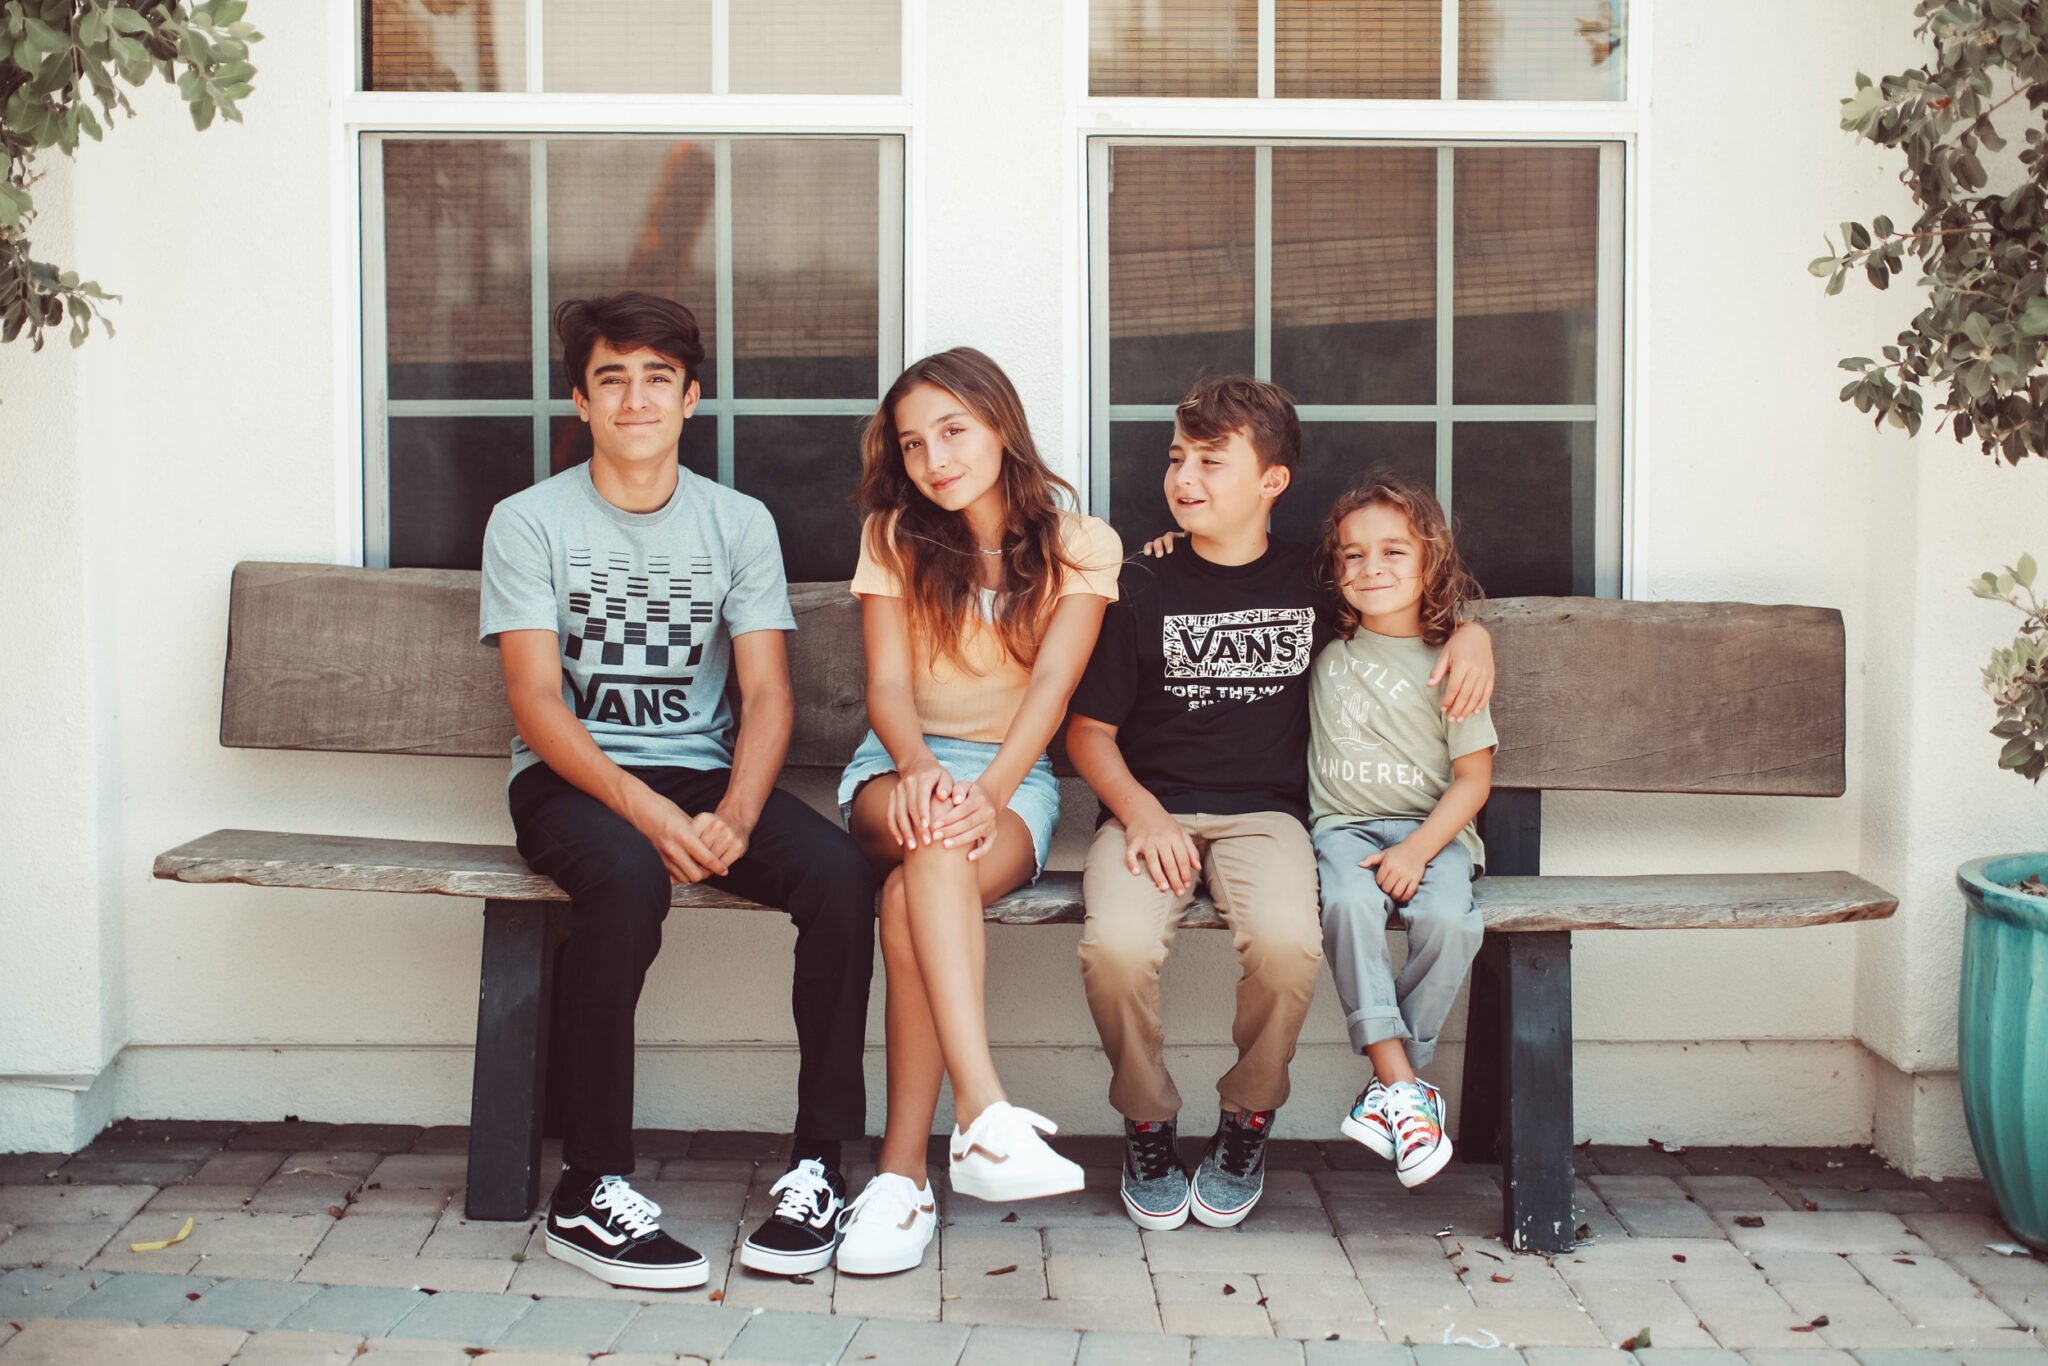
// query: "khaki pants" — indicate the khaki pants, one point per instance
point(1261, 872)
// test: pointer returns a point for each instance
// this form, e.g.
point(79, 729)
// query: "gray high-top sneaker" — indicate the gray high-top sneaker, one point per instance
point(1155, 1185)
point(1232, 1176)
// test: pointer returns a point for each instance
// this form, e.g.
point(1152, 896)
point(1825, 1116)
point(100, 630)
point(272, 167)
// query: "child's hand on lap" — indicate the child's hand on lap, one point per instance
point(1400, 870)
point(1159, 847)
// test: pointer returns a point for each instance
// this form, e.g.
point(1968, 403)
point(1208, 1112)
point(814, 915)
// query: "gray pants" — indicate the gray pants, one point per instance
point(1444, 929)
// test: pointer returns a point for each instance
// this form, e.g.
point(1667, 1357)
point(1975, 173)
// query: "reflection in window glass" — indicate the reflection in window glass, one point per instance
point(1337, 455)
point(1522, 501)
point(1180, 268)
point(1137, 475)
point(817, 47)
point(458, 270)
point(1528, 233)
point(446, 473)
point(633, 213)
point(1354, 274)
point(805, 263)
point(806, 469)
point(1359, 49)
point(471, 45)
point(1188, 48)
point(626, 47)
point(1541, 49)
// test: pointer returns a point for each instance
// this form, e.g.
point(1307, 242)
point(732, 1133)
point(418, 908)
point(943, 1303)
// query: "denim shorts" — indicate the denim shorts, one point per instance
point(1036, 800)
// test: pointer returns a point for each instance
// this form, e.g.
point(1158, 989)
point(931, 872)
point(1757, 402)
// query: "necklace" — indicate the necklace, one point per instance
point(986, 551)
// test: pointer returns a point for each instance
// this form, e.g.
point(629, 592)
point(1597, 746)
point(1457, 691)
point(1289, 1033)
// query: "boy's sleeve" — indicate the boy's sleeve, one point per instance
point(1109, 685)
point(870, 576)
point(518, 577)
point(759, 597)
point(1097, 551)
point(1473, 734)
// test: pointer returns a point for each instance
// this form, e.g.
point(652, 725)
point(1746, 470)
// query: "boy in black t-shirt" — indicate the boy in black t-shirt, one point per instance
point(1191, 725)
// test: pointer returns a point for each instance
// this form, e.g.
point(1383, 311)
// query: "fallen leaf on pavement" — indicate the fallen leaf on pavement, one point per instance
point(1001, 1270)
point(161, 1243)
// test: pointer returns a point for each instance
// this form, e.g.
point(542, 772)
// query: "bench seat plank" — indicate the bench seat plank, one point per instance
point(266, 858)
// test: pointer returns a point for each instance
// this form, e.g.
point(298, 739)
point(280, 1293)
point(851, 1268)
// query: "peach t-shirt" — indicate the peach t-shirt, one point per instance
point(978, 702)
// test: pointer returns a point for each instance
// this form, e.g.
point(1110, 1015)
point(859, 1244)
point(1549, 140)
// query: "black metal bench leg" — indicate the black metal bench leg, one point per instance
point(508, 1094)
point(1536, 1147)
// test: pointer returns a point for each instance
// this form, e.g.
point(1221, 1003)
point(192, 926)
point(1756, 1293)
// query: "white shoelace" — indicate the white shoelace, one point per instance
point(631, 1208)
point(889, 1198)
point(805, 1194)
point(1407, 1105)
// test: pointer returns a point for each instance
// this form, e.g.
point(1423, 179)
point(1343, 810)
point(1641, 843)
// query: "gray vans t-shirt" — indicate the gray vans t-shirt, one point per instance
point(644, 604)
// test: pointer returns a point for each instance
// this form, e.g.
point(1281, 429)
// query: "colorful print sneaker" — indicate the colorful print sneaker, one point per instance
point(1416, 1111)
point(1368, 1123)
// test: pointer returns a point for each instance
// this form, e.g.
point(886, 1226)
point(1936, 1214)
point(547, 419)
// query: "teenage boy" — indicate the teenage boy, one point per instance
point(622, 595)
point(1191, 725)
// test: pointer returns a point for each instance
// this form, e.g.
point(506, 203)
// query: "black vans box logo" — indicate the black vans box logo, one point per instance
point(1267, 643)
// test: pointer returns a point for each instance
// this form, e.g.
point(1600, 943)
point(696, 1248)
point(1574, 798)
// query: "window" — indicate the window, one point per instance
point(1445, 306)
point(787, 245)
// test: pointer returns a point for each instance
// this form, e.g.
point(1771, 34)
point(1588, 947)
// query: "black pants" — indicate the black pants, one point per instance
point(796, 860)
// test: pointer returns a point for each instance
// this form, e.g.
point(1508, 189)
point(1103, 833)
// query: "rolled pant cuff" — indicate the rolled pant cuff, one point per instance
point(1377, 1026)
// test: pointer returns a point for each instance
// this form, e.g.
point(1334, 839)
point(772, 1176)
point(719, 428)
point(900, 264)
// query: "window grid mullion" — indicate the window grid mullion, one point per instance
point(1448, 34)
point(1446, 305)
point(537, 235)
point(376, 361)
point(1262, 263)
point(536, 47)
point(1269, 48)
point(1101, 183)
point(721, 216)
point(721, 47)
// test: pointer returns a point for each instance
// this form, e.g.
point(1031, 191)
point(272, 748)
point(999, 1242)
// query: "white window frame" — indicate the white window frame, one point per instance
point(1618, 127)
point(362, 407)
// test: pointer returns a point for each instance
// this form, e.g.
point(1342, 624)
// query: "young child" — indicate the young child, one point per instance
point(980, 600)
point(1191, 724)
point(1394, 783)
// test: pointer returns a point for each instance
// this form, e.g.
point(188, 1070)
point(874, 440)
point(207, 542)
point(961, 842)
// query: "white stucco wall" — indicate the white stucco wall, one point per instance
point(138, 471)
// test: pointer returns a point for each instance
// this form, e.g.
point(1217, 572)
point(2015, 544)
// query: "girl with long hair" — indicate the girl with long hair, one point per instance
point(980, 601)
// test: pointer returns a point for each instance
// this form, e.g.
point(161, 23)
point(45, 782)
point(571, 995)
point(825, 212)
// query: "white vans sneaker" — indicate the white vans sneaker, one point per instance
point(887, 1227)
point(1001, 1157)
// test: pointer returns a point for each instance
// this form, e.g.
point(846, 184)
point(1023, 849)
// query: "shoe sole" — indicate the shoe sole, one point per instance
point(857, 1266)
point(777, 1263)
point(1159, 1223)
point(1216, 1218)
point(1369, 1138)
point(1001, 1192)
point(1428, 1167)
point(627, 1276)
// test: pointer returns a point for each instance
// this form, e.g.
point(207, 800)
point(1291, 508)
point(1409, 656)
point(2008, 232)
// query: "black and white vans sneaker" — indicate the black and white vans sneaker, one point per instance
point(804, 1231)
point(609, 1231)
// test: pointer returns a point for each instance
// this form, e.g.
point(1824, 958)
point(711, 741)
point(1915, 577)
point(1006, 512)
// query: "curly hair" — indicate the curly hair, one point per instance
point(1448, 588)
point(931, 551)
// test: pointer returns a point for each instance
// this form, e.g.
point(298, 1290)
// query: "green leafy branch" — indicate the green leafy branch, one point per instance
point(1981, 342)
point(62, 67)
point(2017, 677)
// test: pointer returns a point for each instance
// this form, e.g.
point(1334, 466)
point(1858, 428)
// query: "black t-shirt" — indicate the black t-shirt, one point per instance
point(1204, 670)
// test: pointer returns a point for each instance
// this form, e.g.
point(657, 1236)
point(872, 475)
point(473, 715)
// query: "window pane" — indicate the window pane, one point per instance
point(1541, 49)
point(1137, 481)
point(805, 469)
point(1174, 47)
point(1354, 274)
point(570, 445)
point(817, 47)
point(1522, 498)
point(1359, 49)
point(429, 45)
point(446, 473)
point(626, 47)
point(1528, 236)
point(458, 269)
point(633, 213)
point(1180, 269)
point(806, 224)
point(1336, 455)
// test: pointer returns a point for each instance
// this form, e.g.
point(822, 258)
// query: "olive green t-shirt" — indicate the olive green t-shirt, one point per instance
point(1379, 746)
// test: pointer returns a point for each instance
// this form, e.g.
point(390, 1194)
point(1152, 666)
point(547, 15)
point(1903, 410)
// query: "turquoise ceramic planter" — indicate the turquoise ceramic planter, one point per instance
point(2004, 1036)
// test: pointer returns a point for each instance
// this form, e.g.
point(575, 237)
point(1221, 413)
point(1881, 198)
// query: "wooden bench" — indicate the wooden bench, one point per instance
point(1596, 696)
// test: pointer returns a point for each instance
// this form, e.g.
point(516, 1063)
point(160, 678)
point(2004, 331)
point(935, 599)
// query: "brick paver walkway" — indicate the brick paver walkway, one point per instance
point(317, 1243)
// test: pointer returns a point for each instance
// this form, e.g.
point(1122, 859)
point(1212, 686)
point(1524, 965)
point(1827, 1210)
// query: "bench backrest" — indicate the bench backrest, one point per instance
point(1595, 694)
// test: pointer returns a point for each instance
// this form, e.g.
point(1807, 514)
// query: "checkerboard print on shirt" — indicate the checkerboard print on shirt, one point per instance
point(622, 615)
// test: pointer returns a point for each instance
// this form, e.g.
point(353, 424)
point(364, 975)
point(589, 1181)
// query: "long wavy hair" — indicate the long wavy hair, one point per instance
point(930, 549)
point(1448, 588)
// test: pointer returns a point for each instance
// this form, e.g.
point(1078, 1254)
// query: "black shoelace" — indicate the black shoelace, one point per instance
point(1242, 1145)
point(1152, 1152)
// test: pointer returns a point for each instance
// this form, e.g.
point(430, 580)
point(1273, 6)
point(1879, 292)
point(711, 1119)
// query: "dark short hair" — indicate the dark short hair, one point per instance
point(628, 322)
point(1264, 412)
